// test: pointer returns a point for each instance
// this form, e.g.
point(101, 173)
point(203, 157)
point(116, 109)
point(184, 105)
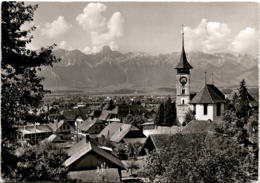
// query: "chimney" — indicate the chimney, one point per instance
point(87, 138)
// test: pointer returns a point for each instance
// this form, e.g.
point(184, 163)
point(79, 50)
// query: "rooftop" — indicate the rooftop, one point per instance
point(209, 94)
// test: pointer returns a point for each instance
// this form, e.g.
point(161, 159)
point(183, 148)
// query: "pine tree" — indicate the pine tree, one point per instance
point(159, 115)
point(169, 113)
point(242, 102)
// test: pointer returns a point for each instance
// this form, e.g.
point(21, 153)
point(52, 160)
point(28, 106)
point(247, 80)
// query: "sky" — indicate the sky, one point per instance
point(151, 27)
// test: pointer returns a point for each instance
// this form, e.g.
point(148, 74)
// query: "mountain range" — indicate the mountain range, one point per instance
point(115, 70)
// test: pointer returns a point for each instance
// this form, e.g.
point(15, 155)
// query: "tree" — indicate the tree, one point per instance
point(189, 116)
point(245, 132)
point(166, 114)
point(22, 89)
point(42, 162)
point(214, 159)
point(169, 113)
point(159, 115)
point(242, 101)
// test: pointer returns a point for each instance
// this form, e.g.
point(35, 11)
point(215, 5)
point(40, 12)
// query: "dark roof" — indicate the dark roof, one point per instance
point(81, 148)
point(209, 94)
point(74, 113)
point(183, 64)
point(200, 126)
point(161, 141)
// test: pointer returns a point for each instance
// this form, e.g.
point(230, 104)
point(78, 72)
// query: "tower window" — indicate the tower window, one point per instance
point(205, 109)
point(218, 109)
point(182, 101)
point(183, 91)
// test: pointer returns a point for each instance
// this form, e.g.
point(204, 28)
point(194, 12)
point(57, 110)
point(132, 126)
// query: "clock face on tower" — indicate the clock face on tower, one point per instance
point(183, 80)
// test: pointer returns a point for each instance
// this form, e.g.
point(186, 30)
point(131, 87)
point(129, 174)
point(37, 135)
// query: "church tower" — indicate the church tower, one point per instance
point(182, 84)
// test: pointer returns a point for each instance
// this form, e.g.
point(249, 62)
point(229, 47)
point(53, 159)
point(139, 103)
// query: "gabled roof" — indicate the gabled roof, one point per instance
point(74, 113)
point(199, 126)
point(87, 124)
point(104, 115)
point(178, 140)
point(209, 94)
point(56, 125)
point(82, 148)
point(35, 129)
point(117, 131)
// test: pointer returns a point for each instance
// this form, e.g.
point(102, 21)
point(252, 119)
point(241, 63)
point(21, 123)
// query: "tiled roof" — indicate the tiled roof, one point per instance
point(81, 148)
point(199, 126)
point(178, 140)
point(104, 115)
point(209, 94)
point(32, 129)
point(87, 124)
point(117, 131)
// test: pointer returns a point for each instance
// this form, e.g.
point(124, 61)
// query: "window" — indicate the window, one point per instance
point(218, 109)
point(194, 108)
point(183, 91)
point(182, 101)
point(205, 109)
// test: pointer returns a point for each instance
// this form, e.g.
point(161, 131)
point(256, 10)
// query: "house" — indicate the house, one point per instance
point(155, 142)
point(92, 126)
point(35, 133)
point(200, 126)
point(64, 128)
point(88, 155)
point(162, 130)
point(116, 132)
point(208, 103)
point(159, 141)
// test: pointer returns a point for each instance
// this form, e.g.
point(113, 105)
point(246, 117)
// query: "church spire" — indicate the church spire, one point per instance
point(183, 64)
point(182, 35)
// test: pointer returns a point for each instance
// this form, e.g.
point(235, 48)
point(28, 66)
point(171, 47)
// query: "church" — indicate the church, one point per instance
point(207, 104)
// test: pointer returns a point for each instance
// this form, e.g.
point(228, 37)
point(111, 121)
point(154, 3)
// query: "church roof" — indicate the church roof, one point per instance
point(209, 94)
point(183, 63)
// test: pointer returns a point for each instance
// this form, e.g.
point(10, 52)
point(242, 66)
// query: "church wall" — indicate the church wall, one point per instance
point(200, 112)
point(215, 117)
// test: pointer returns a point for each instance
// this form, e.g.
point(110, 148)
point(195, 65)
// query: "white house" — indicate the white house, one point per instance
point(208, 103)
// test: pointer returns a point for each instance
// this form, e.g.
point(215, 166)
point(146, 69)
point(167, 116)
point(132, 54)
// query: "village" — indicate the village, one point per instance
point(107, 138)
point(111, 92)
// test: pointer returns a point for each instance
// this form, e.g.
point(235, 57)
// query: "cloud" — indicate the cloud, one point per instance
point(102, 32)
point(56, 28)
point(245, 41)
point(208, 37)
point(64, 45)
point(212, 37)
